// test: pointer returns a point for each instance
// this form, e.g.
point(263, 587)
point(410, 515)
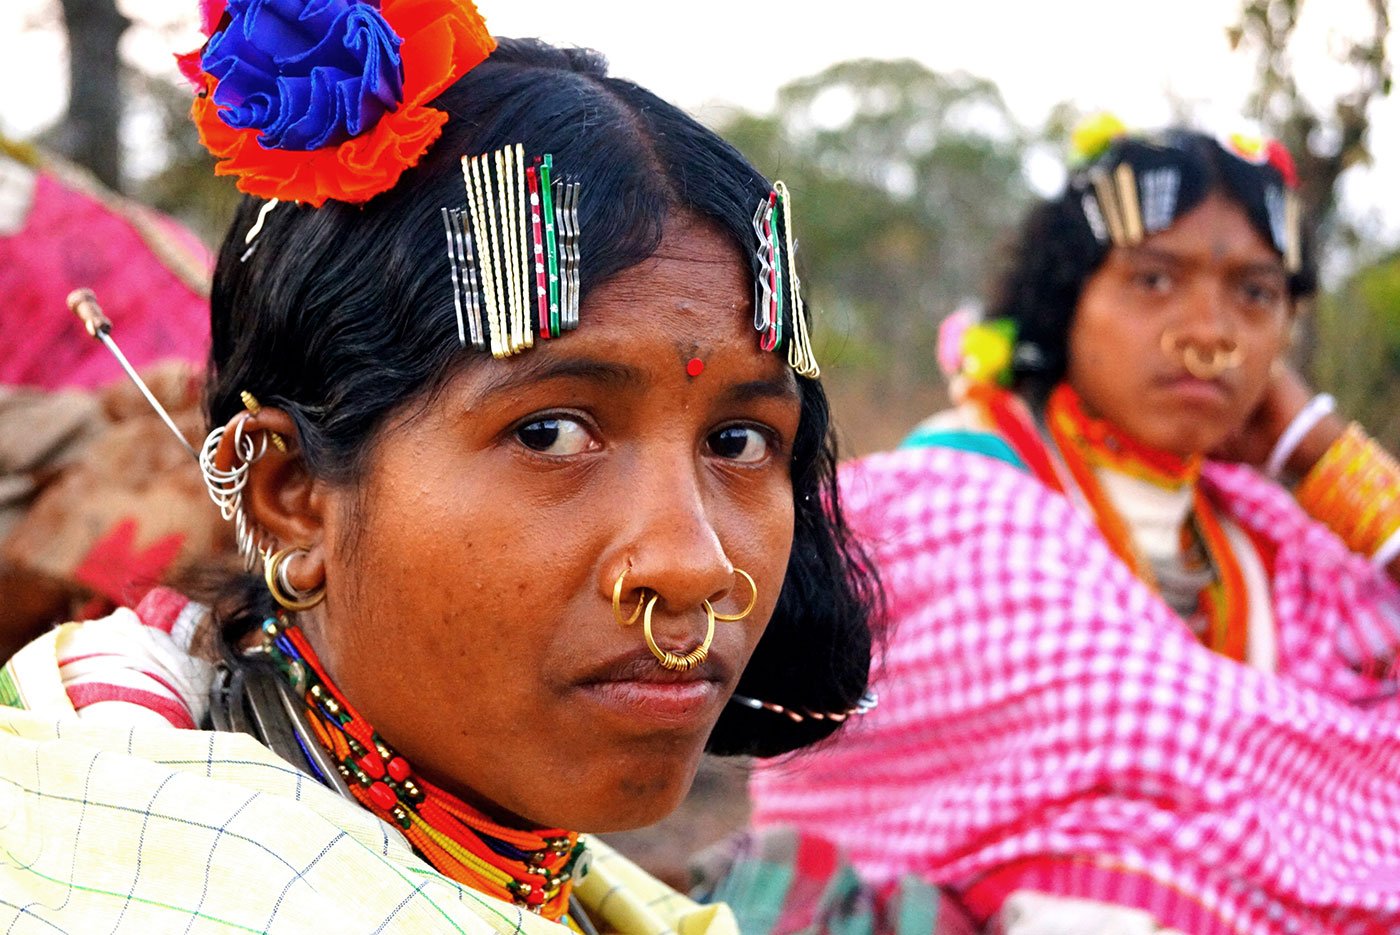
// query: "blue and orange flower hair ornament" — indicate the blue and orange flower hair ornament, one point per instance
point(309, 100)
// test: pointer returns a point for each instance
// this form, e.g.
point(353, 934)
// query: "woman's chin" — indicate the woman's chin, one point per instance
point(619, 803)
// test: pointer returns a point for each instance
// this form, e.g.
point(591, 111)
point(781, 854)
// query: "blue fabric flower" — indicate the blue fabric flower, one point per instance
point(307, 73)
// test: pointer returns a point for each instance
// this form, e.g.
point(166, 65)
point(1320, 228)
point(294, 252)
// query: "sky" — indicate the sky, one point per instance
point(1132, 57)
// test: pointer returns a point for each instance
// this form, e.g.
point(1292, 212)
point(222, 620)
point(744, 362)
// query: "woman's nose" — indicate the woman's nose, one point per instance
point(1205, 318)
point(669, 547)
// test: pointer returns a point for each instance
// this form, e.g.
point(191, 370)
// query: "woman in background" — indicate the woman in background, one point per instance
point(1124, 669)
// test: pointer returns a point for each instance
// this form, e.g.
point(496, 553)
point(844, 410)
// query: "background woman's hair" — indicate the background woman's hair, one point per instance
point(344, 314)
point(1056, 251)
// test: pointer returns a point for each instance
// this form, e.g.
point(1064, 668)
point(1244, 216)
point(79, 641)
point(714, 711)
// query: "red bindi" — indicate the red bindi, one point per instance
point(694, 367)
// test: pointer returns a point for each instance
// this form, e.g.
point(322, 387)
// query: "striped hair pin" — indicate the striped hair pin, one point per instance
point(777, 287)
point(513, 252)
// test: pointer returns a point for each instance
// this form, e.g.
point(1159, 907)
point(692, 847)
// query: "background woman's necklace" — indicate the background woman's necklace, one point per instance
point(535, 869)
point(1087, 445)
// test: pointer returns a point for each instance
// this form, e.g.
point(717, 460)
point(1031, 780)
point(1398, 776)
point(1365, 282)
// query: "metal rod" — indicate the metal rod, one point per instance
point(83, 303)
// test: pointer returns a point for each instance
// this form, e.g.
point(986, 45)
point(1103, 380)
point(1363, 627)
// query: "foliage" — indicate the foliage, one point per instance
point(1359, 325)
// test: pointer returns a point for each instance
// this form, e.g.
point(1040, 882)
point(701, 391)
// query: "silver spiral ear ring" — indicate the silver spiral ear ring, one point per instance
point(226, 487)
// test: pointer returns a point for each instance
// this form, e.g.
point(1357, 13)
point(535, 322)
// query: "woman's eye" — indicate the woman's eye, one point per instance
point(555, 436)
point(1153, 280)
point(1262, 294)
point(739, 443)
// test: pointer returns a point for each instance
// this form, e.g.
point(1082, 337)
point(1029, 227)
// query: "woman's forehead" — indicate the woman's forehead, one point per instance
point(1217, 229)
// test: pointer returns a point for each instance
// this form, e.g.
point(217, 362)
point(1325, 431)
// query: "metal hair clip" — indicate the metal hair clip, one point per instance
point(567, 196)
point(763, 298)
point(513, 252)
point(1159, 191)
point(256, 229)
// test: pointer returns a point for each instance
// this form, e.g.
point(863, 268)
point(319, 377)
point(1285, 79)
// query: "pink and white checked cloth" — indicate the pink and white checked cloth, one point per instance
point(1047, 722)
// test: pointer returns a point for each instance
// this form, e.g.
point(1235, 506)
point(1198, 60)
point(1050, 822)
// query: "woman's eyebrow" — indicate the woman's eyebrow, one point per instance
point(538, 369)
point(782, 388)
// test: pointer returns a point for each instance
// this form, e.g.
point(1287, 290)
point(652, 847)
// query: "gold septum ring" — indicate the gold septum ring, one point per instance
point(679, 662)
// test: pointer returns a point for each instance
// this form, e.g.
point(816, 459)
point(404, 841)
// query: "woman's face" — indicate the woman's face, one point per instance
point(1207, 283)
point(468, 611)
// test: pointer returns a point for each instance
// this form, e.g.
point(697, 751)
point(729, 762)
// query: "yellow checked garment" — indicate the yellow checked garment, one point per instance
point(151, 829)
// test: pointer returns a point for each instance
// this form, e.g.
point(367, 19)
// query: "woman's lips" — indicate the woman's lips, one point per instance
point(1195, 390)
point(677, 703)
point(639, 690)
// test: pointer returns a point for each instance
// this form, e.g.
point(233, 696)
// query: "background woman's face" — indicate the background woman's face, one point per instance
point(469, 577)
point(1208, 280)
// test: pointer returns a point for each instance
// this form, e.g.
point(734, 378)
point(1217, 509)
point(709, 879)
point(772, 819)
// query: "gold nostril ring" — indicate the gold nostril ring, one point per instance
point(679, 662)
point(617, 601)
point(753, 599)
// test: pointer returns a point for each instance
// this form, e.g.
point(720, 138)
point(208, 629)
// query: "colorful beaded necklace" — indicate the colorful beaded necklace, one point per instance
point(534, 869)
point(1085, 443)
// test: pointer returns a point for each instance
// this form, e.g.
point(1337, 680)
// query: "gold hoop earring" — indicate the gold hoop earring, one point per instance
point(617, 601)
point(275, 575)
point(1202, 367)
point(679, 662)
point(1231, 355)
point(1172, 344)
point(753, 599)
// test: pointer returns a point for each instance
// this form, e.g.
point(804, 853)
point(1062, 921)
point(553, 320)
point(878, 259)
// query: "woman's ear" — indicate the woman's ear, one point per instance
point(283, 500)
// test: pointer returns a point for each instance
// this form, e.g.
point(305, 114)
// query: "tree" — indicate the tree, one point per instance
point(1325, 141)
point(90, 133)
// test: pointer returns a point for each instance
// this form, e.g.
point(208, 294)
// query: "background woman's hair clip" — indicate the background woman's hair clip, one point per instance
point(514, 252)
point(1125, 201)
point(329, 100)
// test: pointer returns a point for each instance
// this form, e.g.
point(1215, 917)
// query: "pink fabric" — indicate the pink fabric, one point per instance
point(1037, 701)
point(70, 239)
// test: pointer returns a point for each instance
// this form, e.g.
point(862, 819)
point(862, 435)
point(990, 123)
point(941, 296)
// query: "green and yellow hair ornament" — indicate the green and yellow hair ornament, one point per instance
point(1092, 136)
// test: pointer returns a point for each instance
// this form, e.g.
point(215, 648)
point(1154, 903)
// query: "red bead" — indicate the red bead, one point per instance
point(535, 897)
point(398, 769)
point(694, 367)
point(382, 796)
point(372, 764)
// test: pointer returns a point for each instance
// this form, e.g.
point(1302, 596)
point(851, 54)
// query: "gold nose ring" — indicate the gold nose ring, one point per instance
point(753, 599)
point(617, 601)
point(679, 662)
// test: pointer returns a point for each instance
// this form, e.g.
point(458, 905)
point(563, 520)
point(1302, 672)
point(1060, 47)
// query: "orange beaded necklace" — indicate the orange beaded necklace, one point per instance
point(534, 869)
point(1086, 444)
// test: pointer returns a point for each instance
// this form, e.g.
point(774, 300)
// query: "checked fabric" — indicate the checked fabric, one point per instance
point(1047, 723)
point(116, 816)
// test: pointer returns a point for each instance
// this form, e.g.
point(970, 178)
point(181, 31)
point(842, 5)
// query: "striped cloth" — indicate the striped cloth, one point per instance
point(781, 882)
point(1046, 722)
point(113, 820)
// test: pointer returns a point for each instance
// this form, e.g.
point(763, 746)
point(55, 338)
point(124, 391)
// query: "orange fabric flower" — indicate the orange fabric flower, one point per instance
point(442, 40)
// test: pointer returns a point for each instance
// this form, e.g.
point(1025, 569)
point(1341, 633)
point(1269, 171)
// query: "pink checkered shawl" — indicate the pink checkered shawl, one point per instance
point(1047, 722)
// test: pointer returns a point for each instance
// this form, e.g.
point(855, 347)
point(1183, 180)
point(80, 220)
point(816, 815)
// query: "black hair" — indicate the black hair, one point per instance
point(1056, 249)
point(343, 314)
